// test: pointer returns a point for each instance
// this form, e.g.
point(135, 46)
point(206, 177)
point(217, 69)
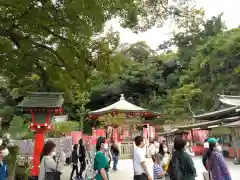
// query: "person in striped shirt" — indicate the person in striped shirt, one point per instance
point(158, 172)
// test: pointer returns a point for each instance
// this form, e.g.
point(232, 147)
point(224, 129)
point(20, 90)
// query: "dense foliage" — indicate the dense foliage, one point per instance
point(46, 46)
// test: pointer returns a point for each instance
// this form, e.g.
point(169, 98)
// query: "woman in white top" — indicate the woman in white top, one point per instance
point(152, 150)
point(163, 151)
point(48, 164)
point(188, 149)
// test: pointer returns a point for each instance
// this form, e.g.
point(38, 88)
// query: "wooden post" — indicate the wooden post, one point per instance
point(193, 140)
point(166, 138)
point(234, 142)
point(38, 146)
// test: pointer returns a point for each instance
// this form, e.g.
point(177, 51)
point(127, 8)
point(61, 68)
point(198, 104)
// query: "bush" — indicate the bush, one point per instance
point(22, 173)
point(11, 161)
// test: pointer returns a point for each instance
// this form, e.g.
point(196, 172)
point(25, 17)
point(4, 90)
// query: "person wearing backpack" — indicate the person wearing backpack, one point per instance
point(181, 165)
point(216, 164)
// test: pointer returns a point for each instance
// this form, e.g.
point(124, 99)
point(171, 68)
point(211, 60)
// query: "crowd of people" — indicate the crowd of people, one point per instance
point(104, 154)
point(52, 163)
point(176, 164)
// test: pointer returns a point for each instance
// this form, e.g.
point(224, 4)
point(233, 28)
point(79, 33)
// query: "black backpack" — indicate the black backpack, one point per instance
point(176, 168)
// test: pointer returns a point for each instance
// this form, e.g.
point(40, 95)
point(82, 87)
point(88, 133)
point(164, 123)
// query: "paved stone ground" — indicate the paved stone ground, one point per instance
point(125, 171)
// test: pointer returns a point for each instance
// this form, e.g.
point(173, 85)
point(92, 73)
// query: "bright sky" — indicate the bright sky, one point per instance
point(156, 36)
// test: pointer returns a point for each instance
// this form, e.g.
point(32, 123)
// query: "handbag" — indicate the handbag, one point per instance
point(54, 175)
point(144, 177)
point(207, 175)
point(90, 173)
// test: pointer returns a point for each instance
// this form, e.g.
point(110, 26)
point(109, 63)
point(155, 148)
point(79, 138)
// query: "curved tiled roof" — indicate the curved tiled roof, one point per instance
point(42, 100)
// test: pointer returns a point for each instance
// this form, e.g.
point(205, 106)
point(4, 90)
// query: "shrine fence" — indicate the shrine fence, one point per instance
point(26, 147)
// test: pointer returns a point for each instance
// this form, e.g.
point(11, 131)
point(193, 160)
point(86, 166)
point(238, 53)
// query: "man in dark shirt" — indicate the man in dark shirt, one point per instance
point(74, 161)
point(82, 157)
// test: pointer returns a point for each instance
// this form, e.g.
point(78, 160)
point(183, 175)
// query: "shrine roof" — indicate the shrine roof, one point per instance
point(165, 133)
point(42, 100)
point(199, 125)
point(229, 100)
point(121, 106)
point(229, 106)
point(233, 124)
point(171, 132)
point(208, 124)
point(219, 114)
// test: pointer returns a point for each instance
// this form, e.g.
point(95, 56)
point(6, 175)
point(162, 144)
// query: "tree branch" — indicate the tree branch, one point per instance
point(68, 41)
point(16, 38)
point(49, 62)
point(190, 109)
point(168, 11)
point(43, 46)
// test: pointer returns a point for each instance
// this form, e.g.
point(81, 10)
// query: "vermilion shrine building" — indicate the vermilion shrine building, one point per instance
point(130, 110)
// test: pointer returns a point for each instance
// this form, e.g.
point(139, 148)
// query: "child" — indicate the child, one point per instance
point(75, 161)
point(158, 172)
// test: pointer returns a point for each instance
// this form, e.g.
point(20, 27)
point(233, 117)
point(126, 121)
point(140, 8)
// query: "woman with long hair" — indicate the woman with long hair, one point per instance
point(48, 164)
point(101, 165)
point(216, 163)
point(181, 165)
point(163, 151)
point(152, 150)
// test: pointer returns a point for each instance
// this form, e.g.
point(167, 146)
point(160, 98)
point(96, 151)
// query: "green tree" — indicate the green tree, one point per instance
point(194, 91)
point(53, 40)
point(58, 46)
point(82, 98)
point(66, 127)
point(18, 127)
point(139, 51)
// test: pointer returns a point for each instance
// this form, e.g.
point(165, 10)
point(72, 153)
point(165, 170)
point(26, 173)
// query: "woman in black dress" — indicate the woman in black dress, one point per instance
point(82, 157)
point(74, 161)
